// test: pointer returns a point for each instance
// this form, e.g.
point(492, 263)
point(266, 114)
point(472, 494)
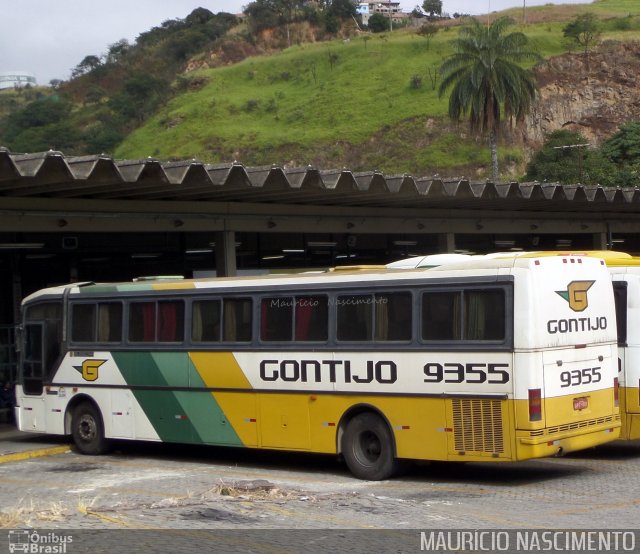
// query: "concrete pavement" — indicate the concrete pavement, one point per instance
point(17, 445)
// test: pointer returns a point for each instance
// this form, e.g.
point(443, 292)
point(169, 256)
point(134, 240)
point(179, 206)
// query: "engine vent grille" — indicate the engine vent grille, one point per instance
point(477, 426)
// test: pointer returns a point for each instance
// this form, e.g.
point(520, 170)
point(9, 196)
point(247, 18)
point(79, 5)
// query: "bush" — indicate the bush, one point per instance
point(251, 105)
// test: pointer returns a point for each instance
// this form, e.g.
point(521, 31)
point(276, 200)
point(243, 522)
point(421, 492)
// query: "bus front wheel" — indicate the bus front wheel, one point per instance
point(87, 429)
point(367, 447)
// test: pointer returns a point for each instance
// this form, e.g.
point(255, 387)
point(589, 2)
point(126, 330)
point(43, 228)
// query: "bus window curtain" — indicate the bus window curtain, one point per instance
point(104, 323)
point(196, 322)
point(476, 316)
point(264, 319)
point(167, 321)
point(148, 322)
point(303, 318)
point(457, 317)
point(381, 310)
point(230, 321)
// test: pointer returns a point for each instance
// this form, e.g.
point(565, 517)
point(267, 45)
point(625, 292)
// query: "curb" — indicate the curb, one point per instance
point(18, 456)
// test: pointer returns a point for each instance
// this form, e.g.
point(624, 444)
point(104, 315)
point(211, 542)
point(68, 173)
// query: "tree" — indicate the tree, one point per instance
point(486, 81)
point(378, 23)
point(139, 97)
point(342, 9)
point(585, 29)
point(432, 7)
point(565, 157)
point(623, 148)
point(428, 31)
point(261, 15)
point(199, 16)
point(264, 14)
point(88, 63)
point(118, 50)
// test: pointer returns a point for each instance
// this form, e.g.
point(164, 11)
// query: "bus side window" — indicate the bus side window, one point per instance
point(142, 321)
point(170, 323)
point(206, 321)
point(83, 323)
point(441, 316)
point(393, 316)
point(620, 298)
point(312, 318)
point(276, 319)
point(484, 315)
point(355, 317)
point(237, 319)
point(109, 322)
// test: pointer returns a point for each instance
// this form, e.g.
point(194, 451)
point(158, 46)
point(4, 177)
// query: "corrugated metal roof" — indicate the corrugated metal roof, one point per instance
point(53, 175)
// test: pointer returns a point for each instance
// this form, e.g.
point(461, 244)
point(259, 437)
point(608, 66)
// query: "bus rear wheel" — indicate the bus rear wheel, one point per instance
point(87, 429)
point(367, 447)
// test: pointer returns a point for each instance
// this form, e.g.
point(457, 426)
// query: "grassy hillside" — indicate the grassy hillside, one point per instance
point(349, 103)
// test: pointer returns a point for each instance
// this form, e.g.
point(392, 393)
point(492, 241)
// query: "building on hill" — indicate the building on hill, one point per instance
point(17, 79)
point(388, 8)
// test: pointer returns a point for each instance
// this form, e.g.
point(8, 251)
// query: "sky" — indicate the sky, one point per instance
point(49, 38)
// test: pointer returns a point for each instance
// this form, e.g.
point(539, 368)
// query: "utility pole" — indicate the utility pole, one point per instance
point(524, 12)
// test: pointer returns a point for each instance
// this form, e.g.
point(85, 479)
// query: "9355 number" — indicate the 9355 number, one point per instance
point(466, 373)
point(580, 377)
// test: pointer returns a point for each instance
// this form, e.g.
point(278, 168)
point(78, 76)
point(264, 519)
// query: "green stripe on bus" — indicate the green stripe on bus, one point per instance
point(161, 406)
point(207, 416)
point(177, 416)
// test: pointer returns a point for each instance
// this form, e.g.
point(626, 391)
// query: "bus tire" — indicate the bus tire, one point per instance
point(367, 447)
point(87, 429)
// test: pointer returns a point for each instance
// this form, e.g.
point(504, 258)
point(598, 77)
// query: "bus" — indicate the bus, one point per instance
point(625, 276)
point(491, 360)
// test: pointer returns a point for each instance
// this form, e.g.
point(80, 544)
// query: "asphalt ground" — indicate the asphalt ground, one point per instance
point(174, 498)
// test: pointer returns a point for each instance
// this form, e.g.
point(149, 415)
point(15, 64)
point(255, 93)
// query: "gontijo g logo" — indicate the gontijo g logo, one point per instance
point(89, 369)
point(576, 295)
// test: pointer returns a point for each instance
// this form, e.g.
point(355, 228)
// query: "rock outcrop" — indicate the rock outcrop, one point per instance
point(592, 94)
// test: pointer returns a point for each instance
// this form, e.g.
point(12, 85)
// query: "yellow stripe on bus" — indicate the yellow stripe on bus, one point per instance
point(219, 370)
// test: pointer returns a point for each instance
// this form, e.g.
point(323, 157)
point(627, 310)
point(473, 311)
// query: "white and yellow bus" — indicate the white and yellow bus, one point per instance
point(625, 275)
point(495, 360)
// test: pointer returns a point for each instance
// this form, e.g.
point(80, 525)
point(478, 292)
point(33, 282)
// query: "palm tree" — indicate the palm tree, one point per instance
point(486, 81)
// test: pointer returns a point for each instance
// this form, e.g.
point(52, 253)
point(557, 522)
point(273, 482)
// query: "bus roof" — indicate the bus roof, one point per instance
point(470, 266)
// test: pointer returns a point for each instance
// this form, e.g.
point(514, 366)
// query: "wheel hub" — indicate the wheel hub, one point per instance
point(87, 428)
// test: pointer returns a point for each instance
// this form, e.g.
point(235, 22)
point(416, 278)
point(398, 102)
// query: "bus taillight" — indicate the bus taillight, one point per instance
point(616, 392)
point(535, 405)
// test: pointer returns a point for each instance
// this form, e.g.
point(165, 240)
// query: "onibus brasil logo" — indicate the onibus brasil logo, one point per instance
point(576, 295)
point(23, 540)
